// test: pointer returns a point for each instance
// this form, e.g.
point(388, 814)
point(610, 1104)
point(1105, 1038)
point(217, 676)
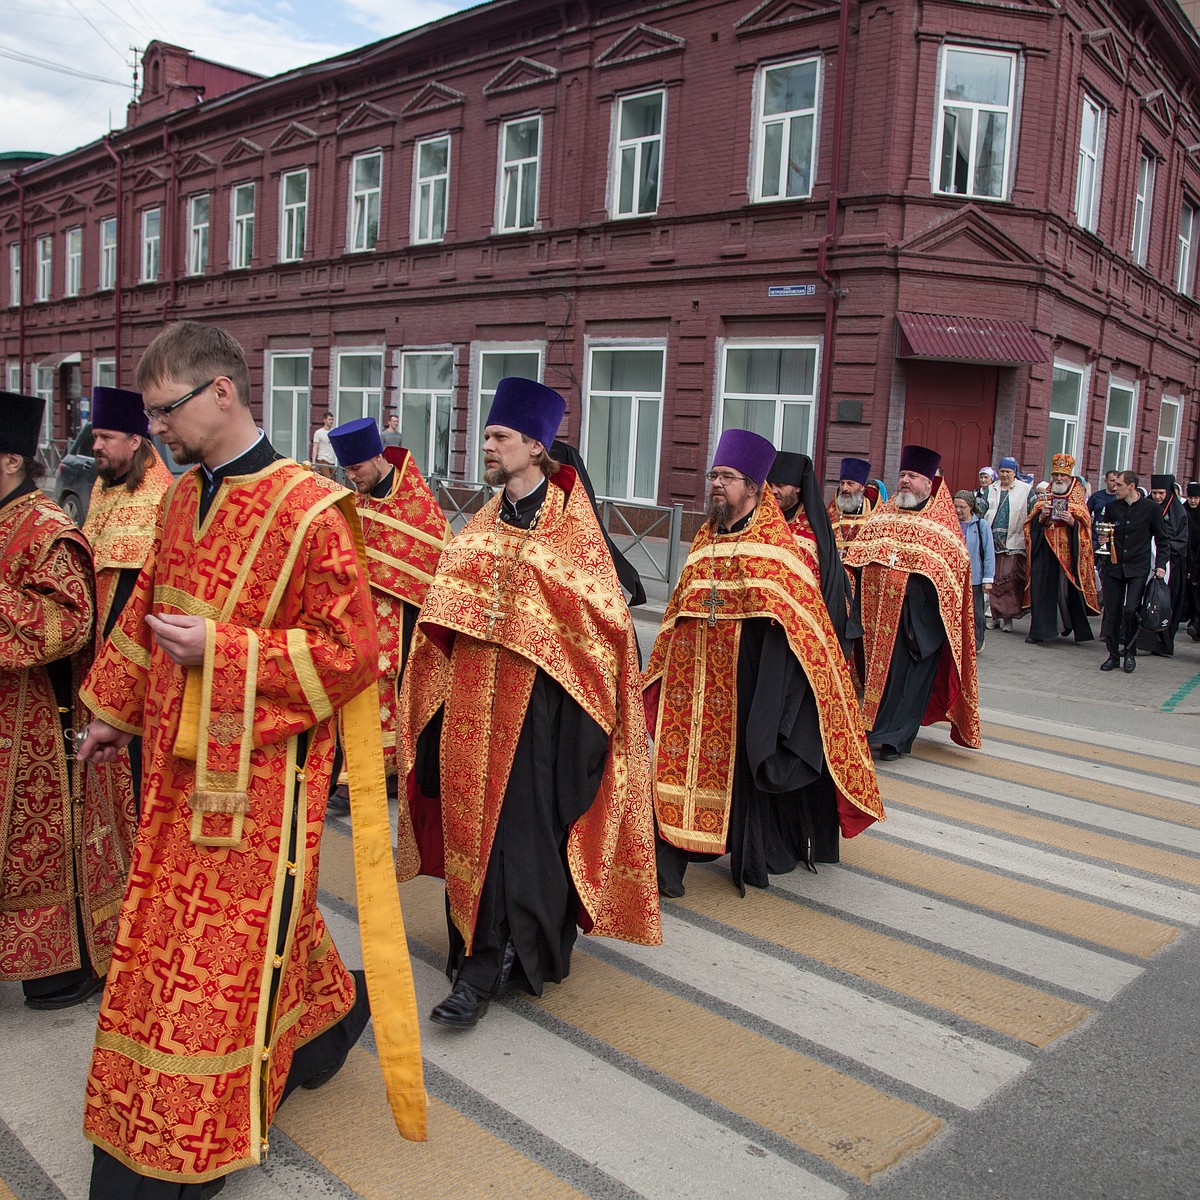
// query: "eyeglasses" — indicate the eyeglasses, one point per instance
point(724, 477)
point(161, 414)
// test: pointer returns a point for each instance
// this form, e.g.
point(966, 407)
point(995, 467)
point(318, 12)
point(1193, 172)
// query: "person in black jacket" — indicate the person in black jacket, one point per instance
point(1164, 494)
point(1135, 519)
point(1193, 561)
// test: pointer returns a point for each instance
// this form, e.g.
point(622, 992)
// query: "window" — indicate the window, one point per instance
point(771, 388)
point(359, 385)
point(14, 377)
point(1116, 454)
point(74, 279)
point(104, 373)
point(1087, 184)
point(366, 173)
point(197, 235)
point(1066, 402)
point(241, 218)
point(520, 152)
point(108, 254)
point(1185, 263)
point(624, 420)
point(43, 386)
point(293, 204)
point(786, 130)
point(287, 416)
point(1142, 205)
point(975, 129)
point(637, 155)
point(426, 399)
point(1167, 447)
point(151, 244)
point(45, 266)
point(495, 362)
point(14, 274)
point(431, 189)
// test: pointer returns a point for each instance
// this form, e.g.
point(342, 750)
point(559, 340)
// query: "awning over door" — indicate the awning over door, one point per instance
point(57, 360)
point(966, 339)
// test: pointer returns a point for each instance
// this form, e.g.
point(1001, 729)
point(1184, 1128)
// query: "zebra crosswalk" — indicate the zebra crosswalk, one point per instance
point(799, 1041)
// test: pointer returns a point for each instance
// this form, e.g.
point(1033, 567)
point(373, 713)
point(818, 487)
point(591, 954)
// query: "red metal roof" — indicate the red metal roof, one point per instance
point(966, 339)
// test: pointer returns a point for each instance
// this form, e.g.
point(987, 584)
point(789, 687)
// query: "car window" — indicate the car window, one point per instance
point(172, 466)
point(83, 442)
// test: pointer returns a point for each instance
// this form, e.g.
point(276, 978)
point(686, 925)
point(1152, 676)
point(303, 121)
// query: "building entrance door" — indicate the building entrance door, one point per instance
point(951, 408)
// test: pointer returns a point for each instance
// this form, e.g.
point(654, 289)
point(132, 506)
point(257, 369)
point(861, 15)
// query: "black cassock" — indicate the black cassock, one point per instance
point(915, 656)
point(1052, 596)
point(784, 805)
point(1175, 518)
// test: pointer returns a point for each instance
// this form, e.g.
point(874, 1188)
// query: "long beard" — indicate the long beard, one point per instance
point(719, 512)
point(909, 500)
point(1060, 488)
point(496, 476)
point(848, 504)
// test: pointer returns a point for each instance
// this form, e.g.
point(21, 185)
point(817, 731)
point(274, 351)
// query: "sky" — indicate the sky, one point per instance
point(45, 105)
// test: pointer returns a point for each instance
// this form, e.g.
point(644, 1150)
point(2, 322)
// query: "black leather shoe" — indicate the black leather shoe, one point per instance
point(67, 997)
point(888, 753)
point(1130, 664)
point(462, 1008)
point(1111, 663)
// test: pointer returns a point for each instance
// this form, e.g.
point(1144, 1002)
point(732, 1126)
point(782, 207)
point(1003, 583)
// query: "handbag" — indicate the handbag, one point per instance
point(1155, 613)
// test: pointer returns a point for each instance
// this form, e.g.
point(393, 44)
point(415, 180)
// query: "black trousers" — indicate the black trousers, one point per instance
point(1122, 600)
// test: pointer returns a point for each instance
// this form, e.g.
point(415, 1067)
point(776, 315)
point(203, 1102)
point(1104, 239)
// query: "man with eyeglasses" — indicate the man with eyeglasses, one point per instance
point(248, 629)
point(759, 748)
point(914, 603)
point(64, 847)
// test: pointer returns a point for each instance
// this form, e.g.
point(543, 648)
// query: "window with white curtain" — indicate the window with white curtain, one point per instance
point(785, 129)
point(1087, 181)
point(975, 122)
point(771, 389)
point(624, 415)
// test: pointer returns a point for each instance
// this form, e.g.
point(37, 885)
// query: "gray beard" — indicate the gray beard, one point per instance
point(849, 504)
point(1061, 489)
point(719, 512)
point(909, 500)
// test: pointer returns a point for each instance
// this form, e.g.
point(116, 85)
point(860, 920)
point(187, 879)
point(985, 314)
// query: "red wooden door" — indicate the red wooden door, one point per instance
point(951, 408)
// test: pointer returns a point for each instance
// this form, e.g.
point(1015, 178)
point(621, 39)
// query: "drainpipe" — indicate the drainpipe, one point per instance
point(832, 291)
point(19, 184)
point(167, 228)
point(117, 273)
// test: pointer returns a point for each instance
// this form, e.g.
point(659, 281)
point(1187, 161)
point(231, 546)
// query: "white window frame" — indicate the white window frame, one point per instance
point(73, 253)
point(430, 398)
point(1073, 427)
point(976, 107)
point(518, 172)
point(362, 200)
point(782, 402)
point(13, 376)
point(241, 228)
point(368, 407)
point(199, 233)
point(1143, 208)
point(14, 276)
point(1124, 457)
point(300, 400)
point(475, 410)
point(640, 147)
point(1185, 261)
point(1166, 447)
point(293, 219)
point(425, 205)
point(762, 121)
point(108, 253)
point(151, 245)
point(1089, 169)
point(43, 386)
point(45, 267)
point(638, 399)
point(104, 372)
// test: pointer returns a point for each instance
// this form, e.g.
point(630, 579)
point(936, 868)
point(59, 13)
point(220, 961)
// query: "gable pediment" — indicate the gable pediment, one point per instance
point(365, 116)
point(71, 203)
point(38, 212)
point(9, 222)
point(294, 135)
point(1156, 107)
point(148, 177)
point(196, 164)
point(520, 73)
point(967, 236)
point(241, 150)
point(1102, 46)
point(642, 41)
point(104, 193)
point(431, 98)
point(771, 14)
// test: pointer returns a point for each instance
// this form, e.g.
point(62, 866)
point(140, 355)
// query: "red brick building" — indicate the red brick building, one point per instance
point(967, 222)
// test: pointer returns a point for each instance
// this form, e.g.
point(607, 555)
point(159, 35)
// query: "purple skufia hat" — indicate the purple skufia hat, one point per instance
point(119, 410)
point(746, 452)
point(528, 407)
point(920, 459)
point(20, 423)
point(857, 469)
point(356, 441)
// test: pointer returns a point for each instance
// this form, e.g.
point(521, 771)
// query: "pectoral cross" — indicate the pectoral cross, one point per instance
point(494, 614)
point(712, 603)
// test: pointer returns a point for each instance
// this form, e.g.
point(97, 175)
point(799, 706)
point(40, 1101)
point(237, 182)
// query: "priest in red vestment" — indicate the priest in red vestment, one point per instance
point(854, 501)
point(759, 749)
point(521, 710)
point(64, 839)
point(917, 616)
point(249, 628)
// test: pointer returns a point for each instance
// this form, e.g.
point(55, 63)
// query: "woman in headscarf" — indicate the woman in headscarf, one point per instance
point(987, 476)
